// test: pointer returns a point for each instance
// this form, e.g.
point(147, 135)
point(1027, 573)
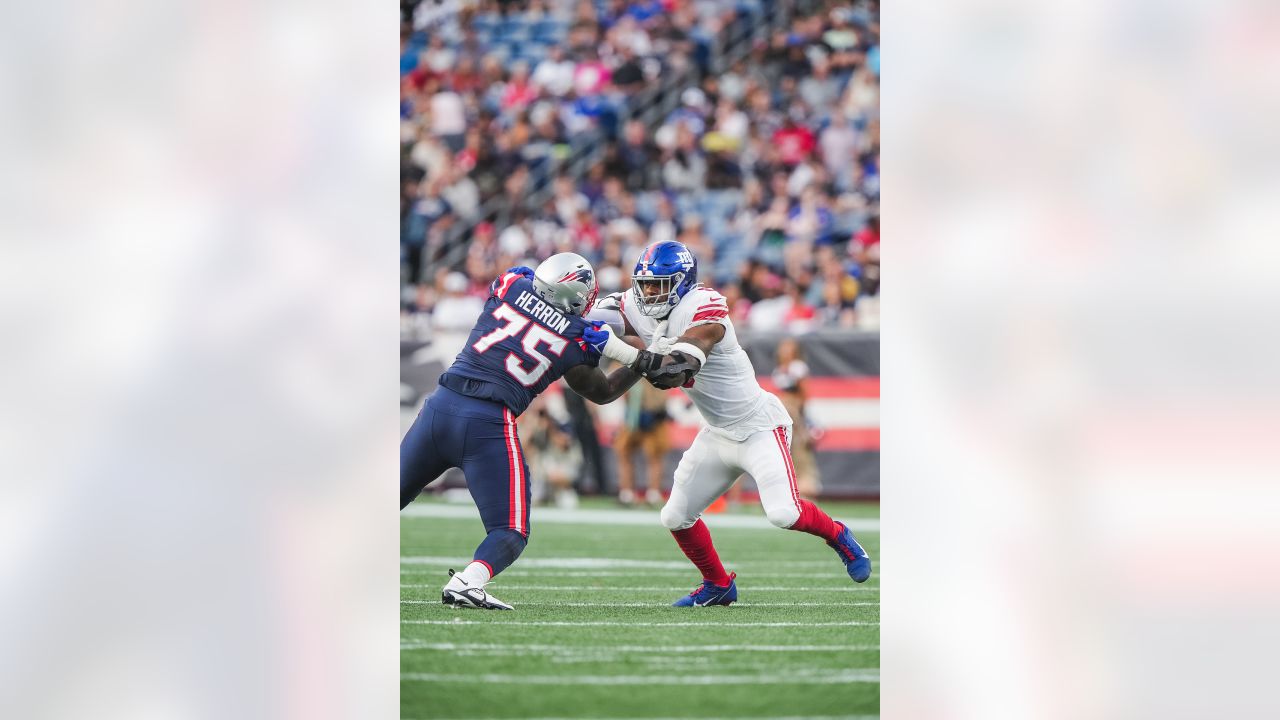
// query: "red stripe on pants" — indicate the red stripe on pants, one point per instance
point(780, 434)
point(515, 474)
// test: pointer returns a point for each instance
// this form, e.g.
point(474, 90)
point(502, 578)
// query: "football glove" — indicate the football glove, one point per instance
point(646, 362)
point(596, 336)
point(522, 270)
point(673, 374)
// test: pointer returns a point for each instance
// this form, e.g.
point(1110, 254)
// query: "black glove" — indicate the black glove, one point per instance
point(647, 362)
point(679, 370)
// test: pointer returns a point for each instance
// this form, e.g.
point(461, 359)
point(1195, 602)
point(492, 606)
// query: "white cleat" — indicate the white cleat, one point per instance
point(457, 592)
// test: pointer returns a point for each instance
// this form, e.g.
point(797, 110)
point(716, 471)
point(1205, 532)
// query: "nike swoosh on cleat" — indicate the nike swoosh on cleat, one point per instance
point(708, 602)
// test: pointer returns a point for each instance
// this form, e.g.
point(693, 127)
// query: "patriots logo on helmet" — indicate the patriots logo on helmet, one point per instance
point(582, 275)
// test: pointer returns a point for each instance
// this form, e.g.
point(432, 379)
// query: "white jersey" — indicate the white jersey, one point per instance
point(725, 390)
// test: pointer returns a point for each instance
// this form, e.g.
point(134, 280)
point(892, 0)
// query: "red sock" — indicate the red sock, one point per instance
point(695, 542)
point(815, 522)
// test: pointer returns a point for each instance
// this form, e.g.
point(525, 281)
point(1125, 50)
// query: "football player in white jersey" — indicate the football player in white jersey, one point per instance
point(692, 344)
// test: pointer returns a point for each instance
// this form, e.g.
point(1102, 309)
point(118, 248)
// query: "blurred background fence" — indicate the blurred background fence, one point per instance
point(841, 410)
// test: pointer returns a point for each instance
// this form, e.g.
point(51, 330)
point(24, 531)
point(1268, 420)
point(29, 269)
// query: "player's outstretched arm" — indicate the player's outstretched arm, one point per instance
point(599, 388)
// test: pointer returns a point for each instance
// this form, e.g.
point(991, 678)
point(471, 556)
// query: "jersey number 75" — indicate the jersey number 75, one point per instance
point(514, 323)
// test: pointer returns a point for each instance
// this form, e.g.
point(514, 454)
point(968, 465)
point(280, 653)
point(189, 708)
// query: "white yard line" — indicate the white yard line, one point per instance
point(640, 649)
point(615, 517)
point(654, 605)
point(738, 717)
point(517, 574)
point(841, 677)
point(611, 563)
point(618, 623)
point(557, 563)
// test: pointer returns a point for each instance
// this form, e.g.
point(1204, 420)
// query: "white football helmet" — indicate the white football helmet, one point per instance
point(566, 281)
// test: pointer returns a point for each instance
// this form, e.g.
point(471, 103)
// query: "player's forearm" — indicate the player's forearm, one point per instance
point(616, 384)
point(600, 388)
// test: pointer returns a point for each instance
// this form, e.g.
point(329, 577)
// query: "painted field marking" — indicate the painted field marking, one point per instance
point(557, 516)
point(738, 717)
point(613, 623)
point(607, 563)
point(660, 604)
point(639, 649)
point(518, 574)
point(557, 563)
point(866, 675)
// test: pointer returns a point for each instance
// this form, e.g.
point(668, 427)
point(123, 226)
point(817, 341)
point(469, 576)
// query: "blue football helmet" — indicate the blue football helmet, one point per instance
point(665, 272)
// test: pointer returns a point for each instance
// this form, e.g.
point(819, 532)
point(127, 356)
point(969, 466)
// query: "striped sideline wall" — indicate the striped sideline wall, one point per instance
point(844, 400)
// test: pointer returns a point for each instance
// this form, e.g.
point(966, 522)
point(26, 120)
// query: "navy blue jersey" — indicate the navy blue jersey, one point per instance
point(519, 346)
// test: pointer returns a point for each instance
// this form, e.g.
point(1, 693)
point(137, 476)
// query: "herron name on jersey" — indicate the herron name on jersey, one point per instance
point(519, 346)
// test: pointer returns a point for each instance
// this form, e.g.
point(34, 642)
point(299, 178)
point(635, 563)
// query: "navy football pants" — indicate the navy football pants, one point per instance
point(480, 437)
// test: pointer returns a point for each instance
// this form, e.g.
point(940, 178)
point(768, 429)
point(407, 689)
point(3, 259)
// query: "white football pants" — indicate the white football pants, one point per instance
point(713, 462)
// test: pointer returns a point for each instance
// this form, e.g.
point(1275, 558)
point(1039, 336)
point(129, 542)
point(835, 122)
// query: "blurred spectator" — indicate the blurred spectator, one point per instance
point(866, 238)
point(794, 141)
point(591, 76)
point(808, 223)
point(862, 96)
point(555, 72)
point(664, 225)
point(739, 306)
point(645, 428)
point(790, 377)
point(772, 229)
point(556, 468)
point(519, 91)
point(448, 118)
point(769, 313)
point(461, 194)
point(568, 200)
point(839, 143)
point(819, 89)
point(593, 476)
point(637, 155)
point(760, 166)
point(685, 168)
point(425, 210)
point(691, 114)
point(514, 242)
point(692, 235)
point(437, 58)
point(456, 310)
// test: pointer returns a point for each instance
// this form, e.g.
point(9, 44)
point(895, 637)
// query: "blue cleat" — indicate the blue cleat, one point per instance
point(855, 559)
point(709, 594)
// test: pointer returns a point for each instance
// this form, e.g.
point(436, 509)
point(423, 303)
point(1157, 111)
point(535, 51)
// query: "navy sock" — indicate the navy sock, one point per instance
point(500, 548)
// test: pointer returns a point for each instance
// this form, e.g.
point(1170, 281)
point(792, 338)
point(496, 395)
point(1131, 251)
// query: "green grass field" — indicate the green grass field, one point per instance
point(593, 634)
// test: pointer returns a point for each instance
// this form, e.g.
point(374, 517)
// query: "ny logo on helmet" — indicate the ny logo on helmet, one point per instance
point(686, 258)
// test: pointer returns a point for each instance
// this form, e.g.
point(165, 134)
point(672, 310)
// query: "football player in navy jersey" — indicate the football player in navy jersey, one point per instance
point(530, 333)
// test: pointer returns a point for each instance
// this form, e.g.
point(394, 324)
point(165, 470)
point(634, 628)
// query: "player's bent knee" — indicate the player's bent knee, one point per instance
point(783, 517)
point(673, 520)
point(512, 540)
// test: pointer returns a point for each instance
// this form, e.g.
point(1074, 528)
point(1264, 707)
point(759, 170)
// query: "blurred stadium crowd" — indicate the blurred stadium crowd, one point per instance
point(747, 129)
point(767, 164)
